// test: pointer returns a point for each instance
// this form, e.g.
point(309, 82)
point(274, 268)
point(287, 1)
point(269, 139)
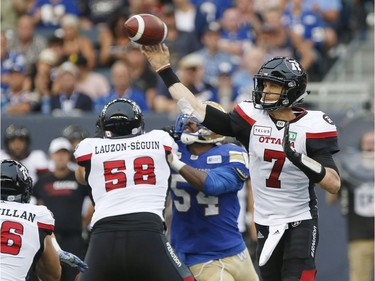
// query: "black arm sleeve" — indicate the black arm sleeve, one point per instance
point(321, 150)
point(326, 160)
point(218, 121)
point(228, 124)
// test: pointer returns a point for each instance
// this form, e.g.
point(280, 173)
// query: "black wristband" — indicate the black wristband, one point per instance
point(312, 169)
point(168, 76)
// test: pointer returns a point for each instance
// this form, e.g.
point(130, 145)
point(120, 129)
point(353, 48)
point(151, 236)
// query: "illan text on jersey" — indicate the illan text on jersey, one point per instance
point(17, 214)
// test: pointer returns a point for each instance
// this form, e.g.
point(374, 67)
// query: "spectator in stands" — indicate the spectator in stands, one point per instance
point(57, 45)
point(113, 40)
point(145, 6)
point(261, 6)
point(276, 40)
point(89, 82)
point(68, 101)
point(64, 196)
point(122, 88)
point(11, 11)
point(17, 146)
point(27, 42)
point(15, 100)
point(356, 166)
point(180, 42)
point(211, 55)
point(42, 73)
point(235, 38)
point(310, 25)
point(191, 72)
point(328, 10)
point(227, 92)
point(94, 13)
point(243, 77)
point(143, 77)
point(185, 14)
point(7, 60)
point(76, 44)
point(211, 10)
point(48, 13)
point(248, 17)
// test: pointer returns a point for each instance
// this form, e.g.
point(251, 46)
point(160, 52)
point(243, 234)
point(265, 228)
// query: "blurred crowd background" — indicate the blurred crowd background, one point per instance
point(70, 57)
point(63, 60)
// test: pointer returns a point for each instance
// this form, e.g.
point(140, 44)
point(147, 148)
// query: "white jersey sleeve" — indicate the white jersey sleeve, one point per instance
point(127, 175)
point(20, 237)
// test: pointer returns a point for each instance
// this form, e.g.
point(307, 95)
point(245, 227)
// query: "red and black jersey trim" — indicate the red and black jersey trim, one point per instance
point(84, 158)
point(248, 119)
point(321, 135)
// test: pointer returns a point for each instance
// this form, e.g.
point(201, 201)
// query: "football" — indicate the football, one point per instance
point(146, 29)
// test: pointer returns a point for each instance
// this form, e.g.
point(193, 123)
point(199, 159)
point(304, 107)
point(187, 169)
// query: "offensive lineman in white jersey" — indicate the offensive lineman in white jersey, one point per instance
point(285, 164)
point(128, 173)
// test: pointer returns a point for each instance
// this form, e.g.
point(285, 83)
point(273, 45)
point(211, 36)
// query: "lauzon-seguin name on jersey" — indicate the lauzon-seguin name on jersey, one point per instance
point(135, 145)
point(18, 214)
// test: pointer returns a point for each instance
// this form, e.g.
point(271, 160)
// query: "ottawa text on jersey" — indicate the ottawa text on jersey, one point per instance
point(136, 145)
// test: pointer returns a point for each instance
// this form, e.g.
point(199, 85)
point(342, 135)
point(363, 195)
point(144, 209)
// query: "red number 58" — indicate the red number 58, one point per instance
point(115, 177)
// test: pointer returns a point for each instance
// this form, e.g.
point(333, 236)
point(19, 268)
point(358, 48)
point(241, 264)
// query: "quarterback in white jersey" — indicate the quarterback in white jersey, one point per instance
point(128, 173)
point(290, 150)
point(26, 229)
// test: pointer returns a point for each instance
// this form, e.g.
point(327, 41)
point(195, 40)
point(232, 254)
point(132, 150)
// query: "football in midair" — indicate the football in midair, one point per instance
point(146, 29)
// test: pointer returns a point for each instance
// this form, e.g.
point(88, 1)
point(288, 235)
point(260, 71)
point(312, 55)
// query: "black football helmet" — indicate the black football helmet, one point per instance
point(16, 184)
point(202, 134)
point(16, 131)
point(285, 71)
point(121, 118)
point(74, 132)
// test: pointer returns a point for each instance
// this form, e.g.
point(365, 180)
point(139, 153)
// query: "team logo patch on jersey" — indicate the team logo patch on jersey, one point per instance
point(327, 119)
point(262, 131)
point(236, 156)
point(292, 136)
point(214, 159)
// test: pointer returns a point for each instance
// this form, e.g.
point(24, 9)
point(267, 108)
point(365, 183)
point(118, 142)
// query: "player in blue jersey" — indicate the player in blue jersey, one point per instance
point(205, 206)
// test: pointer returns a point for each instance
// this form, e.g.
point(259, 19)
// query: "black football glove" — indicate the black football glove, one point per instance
point(313, 170)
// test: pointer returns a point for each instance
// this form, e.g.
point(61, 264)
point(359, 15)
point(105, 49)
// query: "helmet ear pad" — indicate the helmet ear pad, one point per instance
point(121, 118)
